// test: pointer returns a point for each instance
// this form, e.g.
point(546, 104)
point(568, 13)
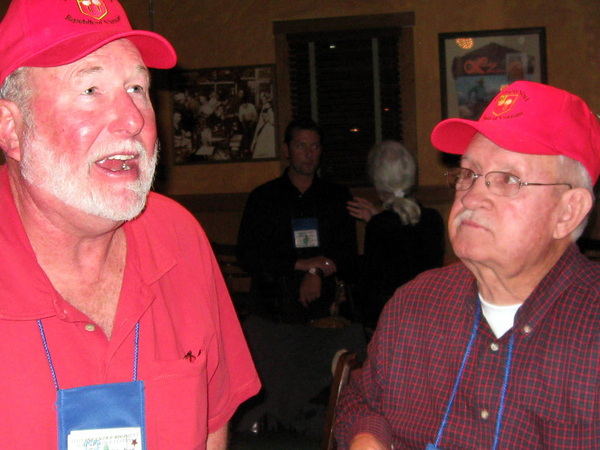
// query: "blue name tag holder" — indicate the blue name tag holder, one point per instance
point(105, 407)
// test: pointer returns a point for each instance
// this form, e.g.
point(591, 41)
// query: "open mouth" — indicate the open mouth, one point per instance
point(116, 163)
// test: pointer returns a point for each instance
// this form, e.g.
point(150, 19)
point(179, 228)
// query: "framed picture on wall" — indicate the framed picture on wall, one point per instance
point(476, 65)
point(224, 114)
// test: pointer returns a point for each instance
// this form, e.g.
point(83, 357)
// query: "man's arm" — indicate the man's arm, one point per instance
point(218, 439)
point(360, 422)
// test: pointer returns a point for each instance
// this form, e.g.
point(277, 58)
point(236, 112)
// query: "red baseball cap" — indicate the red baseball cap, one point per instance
point(530, 118)
point(49, 33)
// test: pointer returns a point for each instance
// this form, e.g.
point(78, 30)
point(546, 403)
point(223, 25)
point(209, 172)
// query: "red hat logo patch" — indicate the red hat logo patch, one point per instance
point(505, 103)
point(93, 8)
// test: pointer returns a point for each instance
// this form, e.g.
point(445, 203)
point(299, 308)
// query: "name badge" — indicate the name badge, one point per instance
point(110, 438)
point(306, 232)
point(102, 417)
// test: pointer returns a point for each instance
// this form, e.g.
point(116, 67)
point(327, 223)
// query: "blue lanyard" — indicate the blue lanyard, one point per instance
point(460, 374)
point(135, 359)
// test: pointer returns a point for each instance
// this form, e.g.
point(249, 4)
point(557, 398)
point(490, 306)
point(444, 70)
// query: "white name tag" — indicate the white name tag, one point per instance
point(106, 439)
point(306, 232)
point(306, 238)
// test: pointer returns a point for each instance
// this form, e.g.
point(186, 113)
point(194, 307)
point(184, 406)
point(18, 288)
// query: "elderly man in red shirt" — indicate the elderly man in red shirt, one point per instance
point(501, 350)
point(117, 328)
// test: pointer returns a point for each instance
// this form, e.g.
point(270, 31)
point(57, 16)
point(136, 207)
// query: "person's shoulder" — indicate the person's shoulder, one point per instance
point(584, 274)
point(426, 211)
point(332, 185)
point(385, 225)
point(159, 203)
point(267, 193)
point(437, 285)
point(451, 277)
point(430, 215)
point(331, 188)
point(385, 217)
point(164, 213)
point(270, 187)
point(432, 295)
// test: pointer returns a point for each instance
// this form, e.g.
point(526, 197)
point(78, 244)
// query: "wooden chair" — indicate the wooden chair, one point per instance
point(346, 363)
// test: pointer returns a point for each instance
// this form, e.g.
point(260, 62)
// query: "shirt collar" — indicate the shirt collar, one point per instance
point(550, 289)
point(23, 283)
point(149, 255)
point(26, 292)
point(560, 278)
point(285, 179)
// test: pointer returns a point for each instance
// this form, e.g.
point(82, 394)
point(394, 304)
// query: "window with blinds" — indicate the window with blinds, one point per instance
point(351, 82)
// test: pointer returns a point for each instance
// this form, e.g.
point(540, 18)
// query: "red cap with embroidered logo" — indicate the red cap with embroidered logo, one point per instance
point(531, 118)
point(49, 33)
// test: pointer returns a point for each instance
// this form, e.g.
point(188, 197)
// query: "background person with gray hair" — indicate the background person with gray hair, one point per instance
point(403, 238)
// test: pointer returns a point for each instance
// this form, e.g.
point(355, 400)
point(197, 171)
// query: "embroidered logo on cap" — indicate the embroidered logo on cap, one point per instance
point(93, 8)
point(505, 103)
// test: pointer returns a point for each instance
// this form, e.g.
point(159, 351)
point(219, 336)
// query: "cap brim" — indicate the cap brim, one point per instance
point(454, 135)
point(155, 50)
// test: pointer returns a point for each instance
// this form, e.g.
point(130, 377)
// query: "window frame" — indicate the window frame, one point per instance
point(401, 24)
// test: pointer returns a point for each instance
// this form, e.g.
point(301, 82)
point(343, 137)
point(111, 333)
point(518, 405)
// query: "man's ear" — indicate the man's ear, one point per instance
point(11, 128)
point(286, 151)
point(576, 204)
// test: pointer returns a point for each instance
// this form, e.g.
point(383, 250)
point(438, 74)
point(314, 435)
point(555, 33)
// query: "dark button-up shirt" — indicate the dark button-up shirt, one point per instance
point(552, 397)
point(266, 239)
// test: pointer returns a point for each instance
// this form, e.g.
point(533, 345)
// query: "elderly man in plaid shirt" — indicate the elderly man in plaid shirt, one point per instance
point(502, 350)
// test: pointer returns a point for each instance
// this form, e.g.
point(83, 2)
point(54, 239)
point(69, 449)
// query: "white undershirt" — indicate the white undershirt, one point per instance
point(500, 318)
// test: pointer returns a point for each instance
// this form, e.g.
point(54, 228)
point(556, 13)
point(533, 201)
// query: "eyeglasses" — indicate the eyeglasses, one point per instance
point(503, 184)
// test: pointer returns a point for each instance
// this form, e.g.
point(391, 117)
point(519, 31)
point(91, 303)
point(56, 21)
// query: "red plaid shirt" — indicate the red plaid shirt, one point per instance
point(552, 398)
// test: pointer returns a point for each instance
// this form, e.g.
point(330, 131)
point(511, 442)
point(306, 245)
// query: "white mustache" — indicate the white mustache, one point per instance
point(469, 214)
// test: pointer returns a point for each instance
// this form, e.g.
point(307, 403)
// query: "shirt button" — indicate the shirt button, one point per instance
point(485, 415)
point(527, 329)
point(494, 347)
point(90, 327)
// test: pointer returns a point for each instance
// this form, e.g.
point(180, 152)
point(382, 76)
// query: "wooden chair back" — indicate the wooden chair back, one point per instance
point(346, 363)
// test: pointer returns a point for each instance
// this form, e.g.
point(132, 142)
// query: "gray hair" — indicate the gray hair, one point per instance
point(18, 89)
point(393, 170)
point(573, 172)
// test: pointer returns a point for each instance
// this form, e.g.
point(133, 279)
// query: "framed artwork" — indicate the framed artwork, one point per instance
point(223, 114)
point(476, 65)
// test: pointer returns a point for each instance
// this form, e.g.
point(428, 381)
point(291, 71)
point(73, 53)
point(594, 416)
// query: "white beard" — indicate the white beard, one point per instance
point(57, 175)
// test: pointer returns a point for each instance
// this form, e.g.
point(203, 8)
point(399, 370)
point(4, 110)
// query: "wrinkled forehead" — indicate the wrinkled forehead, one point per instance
point(121, 53)
point(484, 155)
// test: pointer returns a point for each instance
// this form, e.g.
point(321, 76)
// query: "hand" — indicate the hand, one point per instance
point(362, 209)
point(310, 289)
point(366, 441)
point(318, 262)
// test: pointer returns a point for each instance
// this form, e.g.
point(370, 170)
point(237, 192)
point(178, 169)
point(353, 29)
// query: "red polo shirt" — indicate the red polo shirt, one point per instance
point(172, 286)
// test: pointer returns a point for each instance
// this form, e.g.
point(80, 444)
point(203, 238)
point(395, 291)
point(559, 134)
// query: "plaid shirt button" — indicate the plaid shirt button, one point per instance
point(527, 329)
point(494, 347)
point(485, 414)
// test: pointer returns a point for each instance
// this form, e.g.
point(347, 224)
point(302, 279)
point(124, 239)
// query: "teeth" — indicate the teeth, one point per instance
point(119, 158)
point(122, 157)
point(125, 166)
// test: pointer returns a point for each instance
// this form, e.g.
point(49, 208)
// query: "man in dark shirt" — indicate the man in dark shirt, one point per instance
point(296, 236)
point(501, 350)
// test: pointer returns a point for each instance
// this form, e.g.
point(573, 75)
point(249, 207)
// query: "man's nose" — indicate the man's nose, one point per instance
point(127, 117)
point(478, 195)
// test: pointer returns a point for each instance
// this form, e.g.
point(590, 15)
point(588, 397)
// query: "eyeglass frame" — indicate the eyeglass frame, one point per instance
point(475, 175)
